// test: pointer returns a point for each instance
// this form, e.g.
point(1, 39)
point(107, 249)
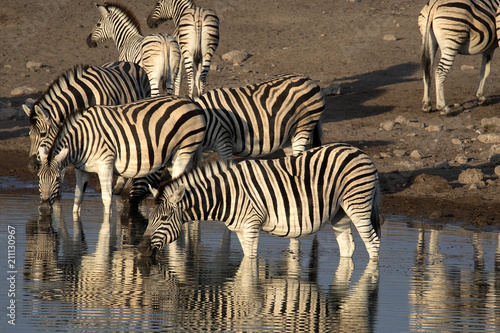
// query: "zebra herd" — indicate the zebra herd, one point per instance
point(127, 119)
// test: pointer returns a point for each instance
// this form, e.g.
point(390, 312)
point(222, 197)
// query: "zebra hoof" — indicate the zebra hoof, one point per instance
point(427, 108)
point(481, 101)
point(446, 111)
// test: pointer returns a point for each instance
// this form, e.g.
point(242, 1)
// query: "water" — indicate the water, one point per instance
point(89, 277)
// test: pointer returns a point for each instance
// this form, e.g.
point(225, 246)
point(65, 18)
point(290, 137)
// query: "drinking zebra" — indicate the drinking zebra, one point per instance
point(257, 120)
point(81, 87)
point(457, 27)
point(158, 54)
point(130, 140)
point(196, 31)
point(288, 197)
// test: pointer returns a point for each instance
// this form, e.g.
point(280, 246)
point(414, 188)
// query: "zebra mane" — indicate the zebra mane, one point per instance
point(66, 124)
point(58, 84)
point(193, 176)
point(131, 16)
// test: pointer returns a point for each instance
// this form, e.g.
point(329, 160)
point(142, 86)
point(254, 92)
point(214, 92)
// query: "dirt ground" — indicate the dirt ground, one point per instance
point(371, 49)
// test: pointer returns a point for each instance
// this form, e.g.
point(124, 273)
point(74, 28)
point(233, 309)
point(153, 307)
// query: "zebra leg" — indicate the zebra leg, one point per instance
point(188, 64)
point(364, 222)
point(485, 71)
point(428, 55)
point(120, 183)
point(248, 236)
point(82, 179)
point(105, 174)
point(447, 56)
point(341, 224)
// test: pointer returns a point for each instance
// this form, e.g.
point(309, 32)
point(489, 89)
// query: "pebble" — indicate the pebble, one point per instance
point(434, 128)
point(32, 65)
point(491, 125)
point(489, 138)
point(456, 141)
point(23, 90)
point(399, 152)
point(494, 158)
point(415, 155)
point(401, 120)
point(387, 125)
point(497, 170)
point(235, 56)
point(466, 68)
point(390, 38)
point(461, 159)
point(333, 89)
point(471, 176)
point(442, 165)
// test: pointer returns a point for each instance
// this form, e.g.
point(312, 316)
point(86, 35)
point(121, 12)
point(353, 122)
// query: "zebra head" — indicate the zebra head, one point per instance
point(39, 131)
point(161, 13)
point(103, 30)
point(165, 222)
point(49, 178)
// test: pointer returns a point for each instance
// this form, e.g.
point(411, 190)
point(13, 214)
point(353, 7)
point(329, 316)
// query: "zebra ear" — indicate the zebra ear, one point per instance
point(61, 156)
point(43, 152)
point(40, 114)
point(177, 195)
point(27, 110)
point(154, 191)
point(102, 9)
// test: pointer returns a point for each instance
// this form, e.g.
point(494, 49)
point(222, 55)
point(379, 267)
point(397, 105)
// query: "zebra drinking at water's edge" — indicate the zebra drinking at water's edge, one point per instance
point(131, 140)
point(197, 32)
point(158, 54)
point(289, 197)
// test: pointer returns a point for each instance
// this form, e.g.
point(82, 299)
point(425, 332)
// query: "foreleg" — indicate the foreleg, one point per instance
point(105, 174)
point(248, 236)
point(341, 224)
point(82, 179)
point(485, 71)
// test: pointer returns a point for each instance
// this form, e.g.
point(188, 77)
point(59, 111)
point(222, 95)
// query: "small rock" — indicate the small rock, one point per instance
point(416, 155)
point(434, 128)
point(467, 68)
point(491, 125)
point(489, 138)
point(471, 176)
point(430, 183)
point(497, 170)
point(32, 65)
point(401, 120)
point(416, 124)
point(8, 114)
point(399, 152)
point(437, 214)
point(442, 165)
point(235, 56)
point(494, 158)
point(390, 38)
point(387, 125)
point(456, 141)
point(333, 89)
point(495, 148)
point(23, 90)
point(461, 159)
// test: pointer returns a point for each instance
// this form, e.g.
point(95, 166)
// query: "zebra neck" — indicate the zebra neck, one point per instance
point(203, 202)
point(179, 10)
point(126, 41)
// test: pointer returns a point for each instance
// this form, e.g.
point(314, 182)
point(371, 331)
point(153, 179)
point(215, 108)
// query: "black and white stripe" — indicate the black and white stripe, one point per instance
point(81, 87)
point(196, 31)
point(456, 27)
point(288, 197)
point(257, 120)
point(131, 140)
point(158, 54)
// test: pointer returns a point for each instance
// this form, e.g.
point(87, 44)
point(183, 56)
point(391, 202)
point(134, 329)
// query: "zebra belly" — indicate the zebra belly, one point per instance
point(292, 226)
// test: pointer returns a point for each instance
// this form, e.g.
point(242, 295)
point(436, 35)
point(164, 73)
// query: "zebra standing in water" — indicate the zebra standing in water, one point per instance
point(288, 197)
point(131, 140)
point(196, 31)
point(457, 27)
point(257, 120)
point(81, 87)
point(158, 54)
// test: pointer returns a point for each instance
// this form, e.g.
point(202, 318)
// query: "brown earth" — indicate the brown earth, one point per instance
point(348, 43)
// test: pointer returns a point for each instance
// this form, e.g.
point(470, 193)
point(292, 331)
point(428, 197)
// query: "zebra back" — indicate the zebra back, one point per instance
point(258, 119)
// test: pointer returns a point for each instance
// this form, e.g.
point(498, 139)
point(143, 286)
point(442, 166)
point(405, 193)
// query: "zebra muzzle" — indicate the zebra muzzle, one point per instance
point(145, 247)
point(90, 42)
point(33, 164)
point(45, 208)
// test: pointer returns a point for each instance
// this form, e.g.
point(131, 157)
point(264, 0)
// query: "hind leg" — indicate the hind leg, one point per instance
point(485, 71)
point(341, 224)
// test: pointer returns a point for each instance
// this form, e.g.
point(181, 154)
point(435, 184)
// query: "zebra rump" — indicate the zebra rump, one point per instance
point(81, 87)
point(289, 197)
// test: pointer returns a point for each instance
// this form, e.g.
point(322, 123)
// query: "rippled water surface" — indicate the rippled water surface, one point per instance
point(88, 277)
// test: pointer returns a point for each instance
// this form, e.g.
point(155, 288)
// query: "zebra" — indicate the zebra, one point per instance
point(130, 140)
point(256, 120)
point(457, 27)
point(81, 87)
point(196, 31)
point(158, 54)
point(290, 197)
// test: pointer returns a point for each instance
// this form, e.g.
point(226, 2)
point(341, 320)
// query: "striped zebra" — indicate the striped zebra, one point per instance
point(256, 120)
point(196, 31)
point(81, 87)
point(457, 27)
point(288, 197)
point(130, 140)
point(158, 54)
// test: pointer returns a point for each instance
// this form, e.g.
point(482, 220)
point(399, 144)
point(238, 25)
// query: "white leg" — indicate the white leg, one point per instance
point(82, 179)
point(249, 239)
point(485, 71)
point(342, 227)
point(106, 180)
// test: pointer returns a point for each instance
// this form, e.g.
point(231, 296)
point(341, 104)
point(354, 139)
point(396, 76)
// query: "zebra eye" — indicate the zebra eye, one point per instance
point(163, 218)
point(98, 24)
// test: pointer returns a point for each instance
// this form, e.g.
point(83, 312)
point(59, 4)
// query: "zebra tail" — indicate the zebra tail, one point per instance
point(317, 135)
point(376, 218)
point(426, 60)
